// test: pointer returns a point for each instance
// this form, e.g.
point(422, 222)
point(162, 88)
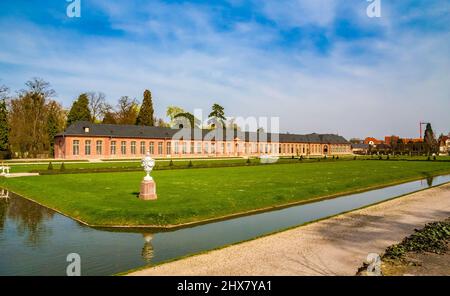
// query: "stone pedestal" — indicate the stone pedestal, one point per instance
point(148, 190)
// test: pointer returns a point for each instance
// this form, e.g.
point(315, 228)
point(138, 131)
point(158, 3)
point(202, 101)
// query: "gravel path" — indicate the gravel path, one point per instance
point(336, 246)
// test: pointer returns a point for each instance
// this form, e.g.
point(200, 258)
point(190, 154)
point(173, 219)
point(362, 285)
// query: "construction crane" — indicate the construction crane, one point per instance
point(421, 124)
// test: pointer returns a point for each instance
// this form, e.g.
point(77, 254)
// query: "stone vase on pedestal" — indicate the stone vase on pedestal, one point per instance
point(148, 186)
point(148, 190)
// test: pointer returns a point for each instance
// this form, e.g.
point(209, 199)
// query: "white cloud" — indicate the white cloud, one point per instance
point(293, 13)
point(384, 86)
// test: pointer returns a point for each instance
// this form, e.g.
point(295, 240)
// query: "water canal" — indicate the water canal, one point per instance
point(36, 241)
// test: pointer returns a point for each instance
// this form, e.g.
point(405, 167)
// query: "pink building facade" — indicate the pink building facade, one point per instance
point(89, 141)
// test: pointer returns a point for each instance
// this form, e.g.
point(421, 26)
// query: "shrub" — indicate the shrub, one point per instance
point(432, 238)
point(63, 167)
point(50, 166)
point(5, 154)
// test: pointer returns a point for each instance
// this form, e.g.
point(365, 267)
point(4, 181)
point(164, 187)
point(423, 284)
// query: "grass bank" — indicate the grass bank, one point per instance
point(72, 167)
point(187, 196)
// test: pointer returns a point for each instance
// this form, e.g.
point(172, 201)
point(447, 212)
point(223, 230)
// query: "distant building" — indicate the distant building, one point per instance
point(372, 141)
point(391, 139)
point(395, 145)
point(86, 140)
point(360, 148)
point(444, 145)
point(411, 140)
point(388, 140)
point(383, 149)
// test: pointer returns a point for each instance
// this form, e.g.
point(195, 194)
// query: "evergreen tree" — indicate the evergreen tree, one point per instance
point(55, 124)
point(80, 110)
point(4, 128)
point(429, 140)
point(52, 130)
point(217, 116)
point(145, 116)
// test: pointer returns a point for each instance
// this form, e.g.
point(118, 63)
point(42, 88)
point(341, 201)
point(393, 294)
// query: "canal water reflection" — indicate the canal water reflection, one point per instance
point(35, 240)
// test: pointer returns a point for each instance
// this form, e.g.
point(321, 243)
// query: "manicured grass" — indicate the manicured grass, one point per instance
point(19, 168)
point(403, 157)
point(115, 165)
point(136, 164)
point(199, 194)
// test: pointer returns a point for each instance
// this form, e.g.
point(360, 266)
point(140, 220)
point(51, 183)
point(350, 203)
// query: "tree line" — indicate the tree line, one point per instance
point(428, 145)
point(94, 107)
point(30, 119)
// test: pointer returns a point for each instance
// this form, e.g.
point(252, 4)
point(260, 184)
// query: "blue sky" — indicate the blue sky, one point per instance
point(320, 65)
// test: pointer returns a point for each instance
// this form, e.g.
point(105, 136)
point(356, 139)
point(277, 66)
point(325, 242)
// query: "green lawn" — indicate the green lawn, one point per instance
point(136, 164)
point(183, 163)
point(198, 194)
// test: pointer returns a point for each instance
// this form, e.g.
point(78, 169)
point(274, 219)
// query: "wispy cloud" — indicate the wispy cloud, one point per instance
point(295, 13)
point(320, 65)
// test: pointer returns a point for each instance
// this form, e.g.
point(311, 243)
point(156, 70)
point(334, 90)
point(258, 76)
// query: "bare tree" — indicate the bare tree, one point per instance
point(127, 110)
point(40, 87)
point(97, 105)
point(231, 124)
point(4, 92)
point(160, 122)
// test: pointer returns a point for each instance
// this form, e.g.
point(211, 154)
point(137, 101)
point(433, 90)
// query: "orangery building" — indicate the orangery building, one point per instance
point(86, 140)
